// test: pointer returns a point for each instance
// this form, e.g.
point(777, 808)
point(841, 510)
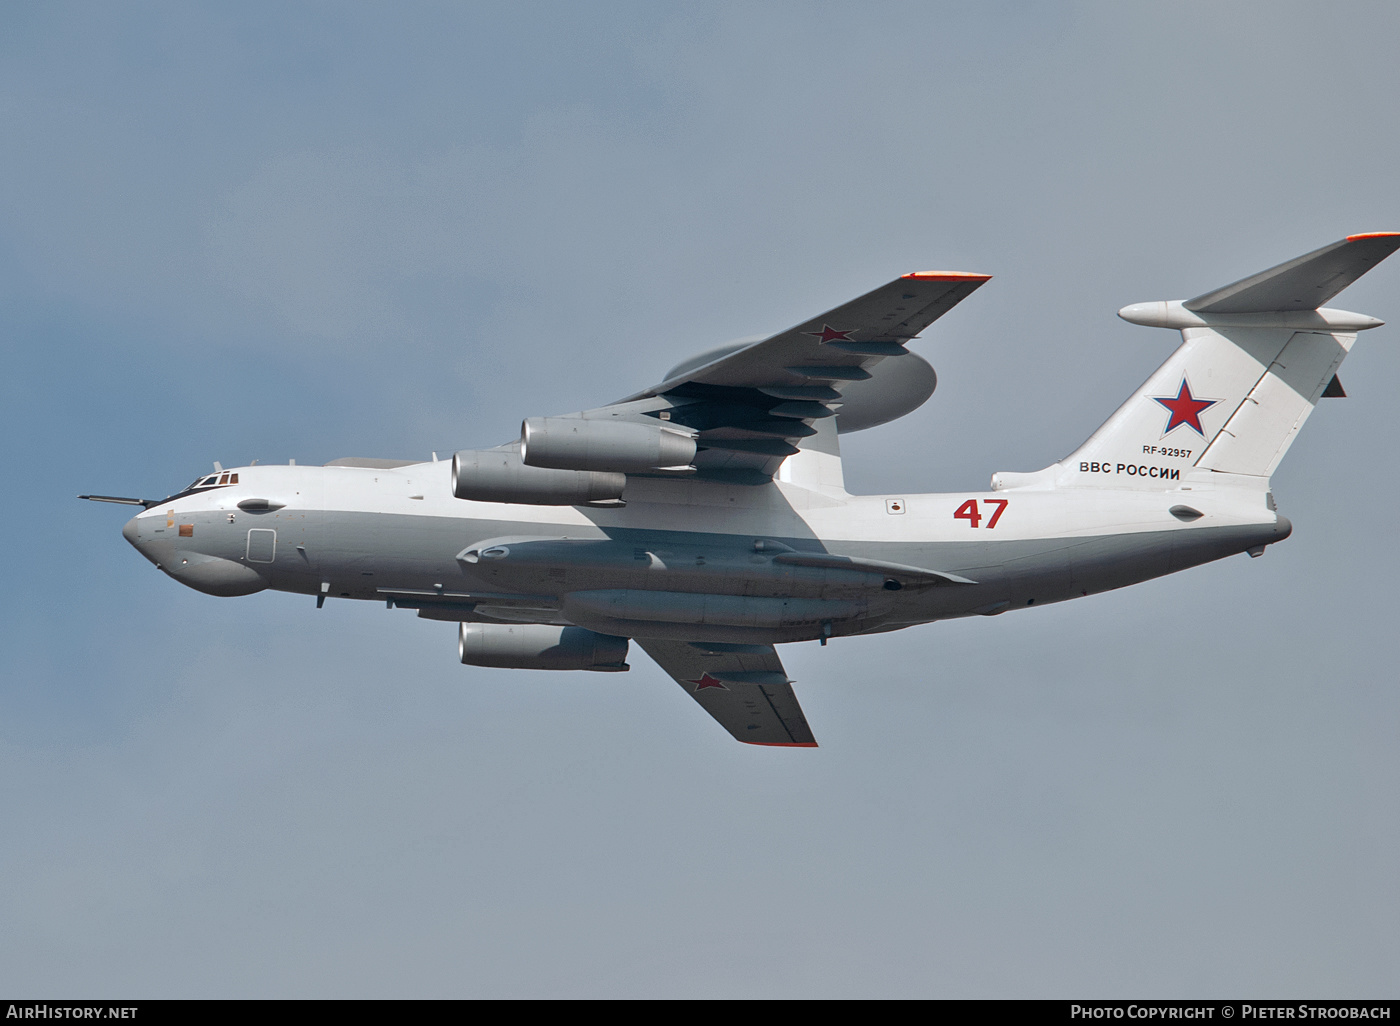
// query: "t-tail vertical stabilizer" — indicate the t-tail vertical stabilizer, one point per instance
point(1255, 358)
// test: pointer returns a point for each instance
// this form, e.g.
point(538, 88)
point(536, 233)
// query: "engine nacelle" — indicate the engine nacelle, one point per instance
point(499, 475)
point(534, 646)
point(573, 443)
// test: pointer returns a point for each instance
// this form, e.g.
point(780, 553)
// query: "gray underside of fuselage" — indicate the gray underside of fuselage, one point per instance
point(413, 562)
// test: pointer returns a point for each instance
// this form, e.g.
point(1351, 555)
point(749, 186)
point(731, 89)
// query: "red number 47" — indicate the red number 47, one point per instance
point(968, 511)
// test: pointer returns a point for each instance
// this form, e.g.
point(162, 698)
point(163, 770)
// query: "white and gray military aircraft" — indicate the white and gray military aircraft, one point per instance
point(706, 517)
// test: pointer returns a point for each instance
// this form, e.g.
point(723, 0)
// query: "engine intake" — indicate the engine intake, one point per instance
point(573, 443)
point(533, 646)
point(499, 475)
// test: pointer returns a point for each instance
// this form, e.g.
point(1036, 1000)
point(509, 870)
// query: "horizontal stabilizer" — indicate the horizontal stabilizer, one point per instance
point(1304, 283)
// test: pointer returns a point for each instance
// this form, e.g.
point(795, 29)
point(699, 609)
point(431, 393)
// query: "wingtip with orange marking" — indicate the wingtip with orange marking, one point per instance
point(1371, 235)
point(946, 276)
point(783, 744)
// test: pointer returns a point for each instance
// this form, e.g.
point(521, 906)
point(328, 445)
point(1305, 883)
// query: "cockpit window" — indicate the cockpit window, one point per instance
point(221, 478)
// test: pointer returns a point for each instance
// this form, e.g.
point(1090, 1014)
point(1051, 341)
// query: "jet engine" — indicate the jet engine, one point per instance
point(534, 646)
point(575, 443)
point(498, 475)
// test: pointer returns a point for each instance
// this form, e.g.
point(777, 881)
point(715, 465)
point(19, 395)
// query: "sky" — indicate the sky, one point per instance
point(313, 230)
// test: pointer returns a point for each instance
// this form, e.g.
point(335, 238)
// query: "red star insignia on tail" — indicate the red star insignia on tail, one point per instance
point(1185, 409)
point(830, 334)
point(706, 681)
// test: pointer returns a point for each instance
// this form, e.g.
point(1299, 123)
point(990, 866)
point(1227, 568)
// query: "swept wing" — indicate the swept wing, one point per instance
point(753, 405)
point(744, 687)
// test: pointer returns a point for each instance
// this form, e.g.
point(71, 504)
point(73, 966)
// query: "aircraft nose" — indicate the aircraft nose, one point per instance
point(141, 540)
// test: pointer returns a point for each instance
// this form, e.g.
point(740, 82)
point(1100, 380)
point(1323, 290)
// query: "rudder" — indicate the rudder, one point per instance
point(1263, 426)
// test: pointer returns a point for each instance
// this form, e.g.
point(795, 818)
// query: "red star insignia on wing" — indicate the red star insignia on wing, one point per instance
point(1185, 409)
point(830, 334)
point(706, 681)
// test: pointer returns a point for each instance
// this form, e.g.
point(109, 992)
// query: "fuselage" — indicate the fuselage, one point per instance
point(687, 558)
